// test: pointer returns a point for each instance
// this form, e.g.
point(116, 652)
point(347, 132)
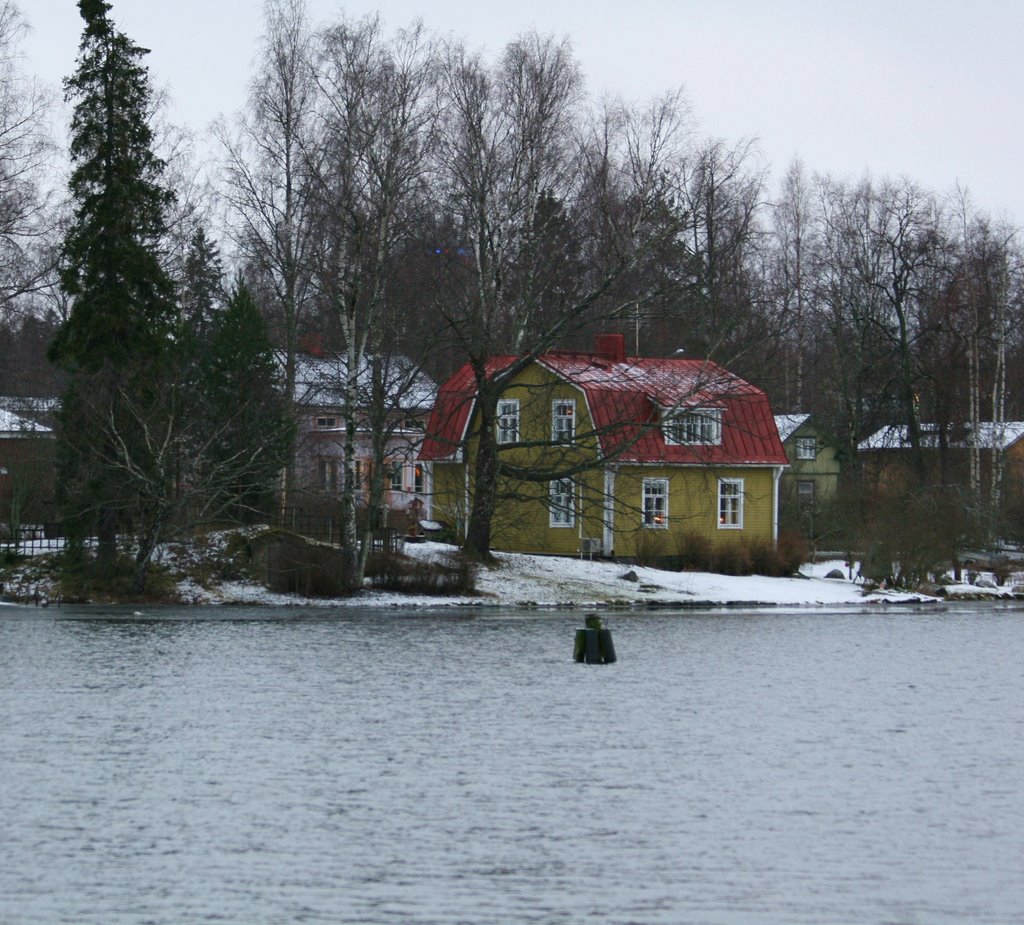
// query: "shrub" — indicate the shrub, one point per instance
point(211, 557)
point(694, 552)
point(294, 565)
point(652, 550)
point(452, 574)
point(83, 579)
point(780, 559)
point(733, 559)
point(764, 559)
point(697, 552)
point(792, 551)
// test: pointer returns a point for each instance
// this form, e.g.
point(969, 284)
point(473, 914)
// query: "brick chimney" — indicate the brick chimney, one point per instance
point(312, 343)
point(611, 347)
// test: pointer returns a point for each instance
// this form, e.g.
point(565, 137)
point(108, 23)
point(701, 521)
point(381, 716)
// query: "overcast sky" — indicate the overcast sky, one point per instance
point(930, 89)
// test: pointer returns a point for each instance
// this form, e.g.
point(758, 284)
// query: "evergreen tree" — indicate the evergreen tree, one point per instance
point(123, 300)
point(249, 425)
point(116, 344)
point(201, 286)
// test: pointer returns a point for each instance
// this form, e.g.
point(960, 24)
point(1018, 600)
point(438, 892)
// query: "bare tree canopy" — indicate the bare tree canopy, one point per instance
point(26, 152)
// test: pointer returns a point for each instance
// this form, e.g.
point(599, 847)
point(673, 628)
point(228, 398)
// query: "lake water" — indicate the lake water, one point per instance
point(278, 766)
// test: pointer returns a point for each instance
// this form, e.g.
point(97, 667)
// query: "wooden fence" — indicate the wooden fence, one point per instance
point(326, 528)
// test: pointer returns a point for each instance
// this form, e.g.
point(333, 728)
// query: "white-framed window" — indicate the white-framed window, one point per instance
point(327, 474)
point(655, 504)
point(561, 506)
point(806, 448)
point(697, 426)
point(563, 420)
point(417, 478)
point(326, 422)
point(805, 493)
point(397, 476)
point(730, 504)
point(508, 420)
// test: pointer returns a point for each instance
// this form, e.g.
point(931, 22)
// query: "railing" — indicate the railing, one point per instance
point(33, 538)
point(323, 527)
point(326, 528)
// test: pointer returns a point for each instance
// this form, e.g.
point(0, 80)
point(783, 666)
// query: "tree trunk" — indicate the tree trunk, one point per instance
point(485, 492)
point(106, 540)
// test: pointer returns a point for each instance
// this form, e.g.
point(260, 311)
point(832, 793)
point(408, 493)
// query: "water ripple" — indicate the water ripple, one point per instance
point(415, 768)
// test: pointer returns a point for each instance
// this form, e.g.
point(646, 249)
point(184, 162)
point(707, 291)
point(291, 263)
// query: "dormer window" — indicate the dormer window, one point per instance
point(806, 448)
point(508, 420)
point(697, 426)
point(563, 421)
point(326, 423)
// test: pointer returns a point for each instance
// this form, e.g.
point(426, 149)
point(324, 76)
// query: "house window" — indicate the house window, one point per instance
point(655, 503)
point(806, 448)
point(805, 493)
point(563, 421)
point(325, 423)
point(563, 513)
point(327, 474)
point(360, 474)
point(508, 420)
point(417, 479)
point(397, 470)
point(730, 504)
point(700, 426)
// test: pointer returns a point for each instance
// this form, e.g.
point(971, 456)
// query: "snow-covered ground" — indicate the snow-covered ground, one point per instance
point(552, 581)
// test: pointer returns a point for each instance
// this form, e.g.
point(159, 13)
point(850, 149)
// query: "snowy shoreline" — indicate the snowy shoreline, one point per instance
point(561, 583)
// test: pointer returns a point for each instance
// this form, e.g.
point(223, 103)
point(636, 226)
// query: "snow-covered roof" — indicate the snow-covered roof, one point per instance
point(29, 404)
point(319, 381)
point(12, 424)
point(958, 436)
point(787, 424)
point(625, 398)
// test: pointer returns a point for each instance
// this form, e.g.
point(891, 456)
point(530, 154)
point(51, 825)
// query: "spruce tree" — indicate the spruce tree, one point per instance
point(123, 299)
point(115, 345)
point(201, 286)
point(248, 418)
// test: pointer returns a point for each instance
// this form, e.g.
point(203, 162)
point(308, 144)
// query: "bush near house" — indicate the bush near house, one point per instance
point(453, 574)
point(291, 564)
point(756, 556)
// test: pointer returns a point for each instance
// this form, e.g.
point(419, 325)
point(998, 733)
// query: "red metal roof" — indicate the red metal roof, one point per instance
point(446, 426)
point(625, 398)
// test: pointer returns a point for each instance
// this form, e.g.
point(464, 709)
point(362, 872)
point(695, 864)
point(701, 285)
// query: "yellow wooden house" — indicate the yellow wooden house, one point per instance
point(605, 454)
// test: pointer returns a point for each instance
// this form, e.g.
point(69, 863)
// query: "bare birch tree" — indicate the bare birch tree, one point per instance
point(723, 199)
point(982, 283)
point(551, 208)
point(27, 215)
point(267, 186)
point(849, 309)
point(374, 126)
point(792, 271)
point(903, 225)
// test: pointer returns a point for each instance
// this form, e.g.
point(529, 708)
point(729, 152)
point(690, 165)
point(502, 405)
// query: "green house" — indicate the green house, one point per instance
point(813, 455)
